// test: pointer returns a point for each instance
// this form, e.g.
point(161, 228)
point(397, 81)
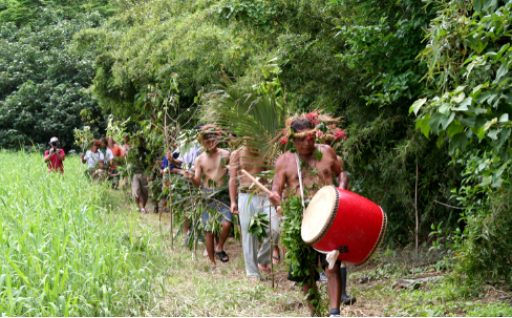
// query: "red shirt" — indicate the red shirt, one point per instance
point(117, 152)
point(55, 163)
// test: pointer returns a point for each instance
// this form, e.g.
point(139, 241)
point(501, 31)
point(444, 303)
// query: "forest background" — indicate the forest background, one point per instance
point(423, 88)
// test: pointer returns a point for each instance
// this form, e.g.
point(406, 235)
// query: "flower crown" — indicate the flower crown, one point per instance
point(210, 131)
point(95, 143)
point(325, 129)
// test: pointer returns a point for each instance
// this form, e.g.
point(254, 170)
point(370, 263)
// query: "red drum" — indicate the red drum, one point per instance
point(340, 220)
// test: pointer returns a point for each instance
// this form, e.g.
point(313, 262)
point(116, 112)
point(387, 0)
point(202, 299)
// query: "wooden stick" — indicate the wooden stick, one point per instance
point(256, 182)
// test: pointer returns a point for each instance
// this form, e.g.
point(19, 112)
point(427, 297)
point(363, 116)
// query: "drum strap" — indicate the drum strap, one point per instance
point(297, 159)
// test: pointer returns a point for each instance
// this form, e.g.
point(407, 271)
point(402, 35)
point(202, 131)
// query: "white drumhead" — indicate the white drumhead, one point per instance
point(318, 214)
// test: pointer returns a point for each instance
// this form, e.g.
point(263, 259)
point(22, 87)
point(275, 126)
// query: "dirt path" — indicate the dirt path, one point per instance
point(190, 289)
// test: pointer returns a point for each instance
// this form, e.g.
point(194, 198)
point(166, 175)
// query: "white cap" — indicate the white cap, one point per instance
point(54, 139)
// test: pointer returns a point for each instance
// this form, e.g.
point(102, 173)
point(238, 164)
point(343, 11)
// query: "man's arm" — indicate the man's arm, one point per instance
point(196, 179)
point(339, 170)
point(84, 158)
point(60, 155)
point(279, 181)
point(233, 173)
point(47, 156)
point(176, 162)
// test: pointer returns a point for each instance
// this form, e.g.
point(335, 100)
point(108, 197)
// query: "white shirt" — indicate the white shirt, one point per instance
point(189, 158)
point(109, 155)
point(93, 158)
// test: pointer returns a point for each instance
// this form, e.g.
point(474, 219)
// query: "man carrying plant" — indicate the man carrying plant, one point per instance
point(117, 155)
point(314, 166)
point(249, 205)
point(212, 166)
point(93, 157)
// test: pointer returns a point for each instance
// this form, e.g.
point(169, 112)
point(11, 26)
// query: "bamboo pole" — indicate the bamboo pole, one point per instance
point(416, 207)
point(256, 182)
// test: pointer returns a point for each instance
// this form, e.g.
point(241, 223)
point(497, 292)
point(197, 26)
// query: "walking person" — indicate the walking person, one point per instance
point(92, 157)
point(211, 166)
point(140, 160)
point(302, 172)
point(250, 204)
point(117, 154)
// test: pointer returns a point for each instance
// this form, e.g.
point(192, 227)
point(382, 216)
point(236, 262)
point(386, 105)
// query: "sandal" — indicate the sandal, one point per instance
point(276, 260)
point(265, 269)
point(143, 211)
point(253, 279)
point(224, 258)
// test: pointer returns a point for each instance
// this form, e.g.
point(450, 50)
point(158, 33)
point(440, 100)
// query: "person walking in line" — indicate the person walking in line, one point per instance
point(211, 166)
point(92, 157)
point(112, 170)
point(140, 160)
point(249, 204)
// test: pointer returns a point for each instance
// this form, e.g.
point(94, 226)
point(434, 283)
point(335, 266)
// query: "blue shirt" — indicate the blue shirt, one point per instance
point(166, 163)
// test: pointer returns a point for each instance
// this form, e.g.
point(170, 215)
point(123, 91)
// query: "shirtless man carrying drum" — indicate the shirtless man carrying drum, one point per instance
point(318, 171)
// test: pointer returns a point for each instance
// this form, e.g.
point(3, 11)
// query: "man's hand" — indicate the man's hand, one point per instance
point(187, 174)
point(82, 156)
point(275, 198)
point(234, 208)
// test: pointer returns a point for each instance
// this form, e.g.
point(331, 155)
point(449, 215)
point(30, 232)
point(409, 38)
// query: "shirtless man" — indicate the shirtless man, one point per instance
point(211, 165)
point(249, 205)
point(317, 173)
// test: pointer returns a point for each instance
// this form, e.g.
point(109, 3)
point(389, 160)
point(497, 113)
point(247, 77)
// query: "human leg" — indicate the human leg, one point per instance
point(144, 191)
point(136, 189)
point(225, 221)
point(209, 247)
point(266, 249)
point(186, 225)
point(345, 299)
point(249, 242)
point(305, 288)
point(333, 286)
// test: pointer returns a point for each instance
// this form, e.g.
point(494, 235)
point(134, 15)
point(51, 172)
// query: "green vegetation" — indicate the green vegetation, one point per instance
point(43, 84)
point(423, 89)
point(65, 252)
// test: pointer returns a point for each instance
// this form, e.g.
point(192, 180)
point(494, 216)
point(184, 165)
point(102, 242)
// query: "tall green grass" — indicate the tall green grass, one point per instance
point(62, 251)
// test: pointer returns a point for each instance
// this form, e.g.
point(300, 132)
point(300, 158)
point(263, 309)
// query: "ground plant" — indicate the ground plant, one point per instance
point(64, 250)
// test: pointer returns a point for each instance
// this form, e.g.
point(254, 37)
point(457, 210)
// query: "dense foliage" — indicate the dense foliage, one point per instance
point(43, 85)
point(469, 59)
point(328, 55)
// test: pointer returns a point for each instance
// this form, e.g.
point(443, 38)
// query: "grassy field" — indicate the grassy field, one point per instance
point(72, 248)
point(62, 252)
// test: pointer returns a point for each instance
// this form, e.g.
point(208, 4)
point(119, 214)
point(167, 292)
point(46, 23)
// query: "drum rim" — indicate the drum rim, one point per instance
point(379, 240)
point(331, 219)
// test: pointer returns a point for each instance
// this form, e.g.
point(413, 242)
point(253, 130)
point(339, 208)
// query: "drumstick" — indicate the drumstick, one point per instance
point(256, 182)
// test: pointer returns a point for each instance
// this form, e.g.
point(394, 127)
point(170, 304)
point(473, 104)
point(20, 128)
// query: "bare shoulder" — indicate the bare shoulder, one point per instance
point(327, 152)
point(225, 152)
point(285, 158)
point(201, 158)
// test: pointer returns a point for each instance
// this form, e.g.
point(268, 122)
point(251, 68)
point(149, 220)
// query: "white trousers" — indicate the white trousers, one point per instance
point(248, 207)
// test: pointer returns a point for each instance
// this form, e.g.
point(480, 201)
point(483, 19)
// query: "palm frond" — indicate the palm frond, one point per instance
point(255, 116)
